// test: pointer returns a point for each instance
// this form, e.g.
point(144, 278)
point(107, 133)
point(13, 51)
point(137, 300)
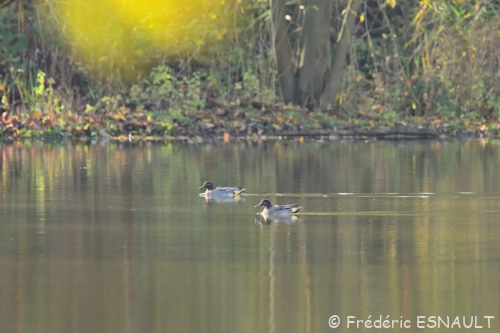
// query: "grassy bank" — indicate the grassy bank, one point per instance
point(429, 65)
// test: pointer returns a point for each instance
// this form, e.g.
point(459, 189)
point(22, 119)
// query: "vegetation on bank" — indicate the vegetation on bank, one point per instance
point(248, 68)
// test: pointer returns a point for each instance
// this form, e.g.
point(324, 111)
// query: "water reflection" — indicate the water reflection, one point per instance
point(116, 237)
point(277, 219)
point(209, 200)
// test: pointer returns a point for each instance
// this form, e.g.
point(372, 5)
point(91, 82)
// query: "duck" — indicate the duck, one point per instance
point(277, 211)
point(221, 191)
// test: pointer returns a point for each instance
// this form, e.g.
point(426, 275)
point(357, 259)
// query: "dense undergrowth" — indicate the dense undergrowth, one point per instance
point(425, 64)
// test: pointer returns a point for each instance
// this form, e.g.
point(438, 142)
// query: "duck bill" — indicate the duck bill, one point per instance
point(202, 186)
point(259, 205)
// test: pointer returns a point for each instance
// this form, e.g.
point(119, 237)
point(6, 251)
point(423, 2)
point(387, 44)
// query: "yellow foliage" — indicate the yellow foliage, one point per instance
point(108, 31)
point(339, 98)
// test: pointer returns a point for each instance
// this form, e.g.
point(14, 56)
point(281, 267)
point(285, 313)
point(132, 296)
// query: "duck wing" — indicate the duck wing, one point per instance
point(234, 190)
point(294, 208)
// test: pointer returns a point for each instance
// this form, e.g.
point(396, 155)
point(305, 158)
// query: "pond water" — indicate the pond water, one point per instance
point(115, 238)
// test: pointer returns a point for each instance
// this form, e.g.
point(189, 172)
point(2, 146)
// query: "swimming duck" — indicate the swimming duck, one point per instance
point(277, 211)
point(221, 191)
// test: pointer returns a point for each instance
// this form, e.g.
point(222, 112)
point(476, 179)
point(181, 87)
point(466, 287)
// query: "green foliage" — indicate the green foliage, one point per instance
point(168, 99)
point(251, 90)
point(13, 42)
point(107, 104)
point(37, 95)
point(45, 100)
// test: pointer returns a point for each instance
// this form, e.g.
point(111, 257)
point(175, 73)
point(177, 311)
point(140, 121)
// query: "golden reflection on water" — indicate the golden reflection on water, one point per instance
point(117, 238)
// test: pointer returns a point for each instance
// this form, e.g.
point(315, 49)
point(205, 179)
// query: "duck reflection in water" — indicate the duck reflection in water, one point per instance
point(274, 220)
point(210, 200)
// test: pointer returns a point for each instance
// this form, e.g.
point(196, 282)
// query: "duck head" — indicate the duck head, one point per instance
point(208, 185)
point(264, 203)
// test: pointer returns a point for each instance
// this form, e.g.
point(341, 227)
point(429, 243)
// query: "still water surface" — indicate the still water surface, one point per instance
point(115, 238)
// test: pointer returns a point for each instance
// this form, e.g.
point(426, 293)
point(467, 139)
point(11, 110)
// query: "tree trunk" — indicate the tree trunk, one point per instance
point(334, 82)
point(282, 50)
point(315, 55)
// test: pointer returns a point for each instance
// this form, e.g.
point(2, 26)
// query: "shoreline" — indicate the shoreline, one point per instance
point(206, 125)
point(393, 134)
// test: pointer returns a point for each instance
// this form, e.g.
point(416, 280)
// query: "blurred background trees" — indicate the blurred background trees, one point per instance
point(371, 59)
